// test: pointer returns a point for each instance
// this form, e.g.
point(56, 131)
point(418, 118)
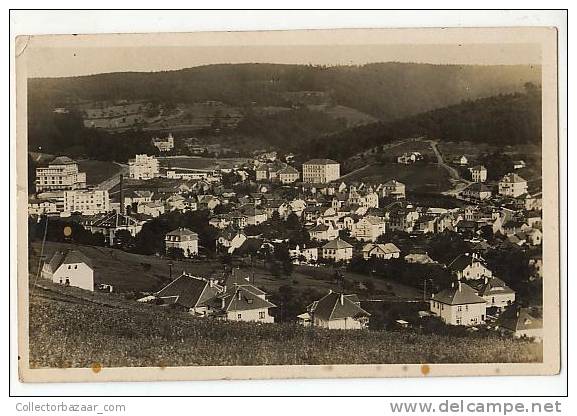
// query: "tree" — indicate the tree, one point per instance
point(175, 253)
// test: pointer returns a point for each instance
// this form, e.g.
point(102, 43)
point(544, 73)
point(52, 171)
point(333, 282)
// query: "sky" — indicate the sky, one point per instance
point(71, 56)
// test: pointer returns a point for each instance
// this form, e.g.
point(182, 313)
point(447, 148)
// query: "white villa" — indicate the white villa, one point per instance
point(512, 185)
point(338, 250)
point(459, 305)
point(184, 239)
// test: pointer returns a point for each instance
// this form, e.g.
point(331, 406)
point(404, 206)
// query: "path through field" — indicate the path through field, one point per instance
point(458, 182)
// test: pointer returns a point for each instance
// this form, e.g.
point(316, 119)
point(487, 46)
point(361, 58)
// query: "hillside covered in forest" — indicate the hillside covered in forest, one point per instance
point(384, 90)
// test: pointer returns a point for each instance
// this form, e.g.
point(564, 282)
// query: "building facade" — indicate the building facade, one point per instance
point(321, 171)
point(60, 175)
point(182, 238)
point(87, 202)
point(512, 185)
point(143, 167)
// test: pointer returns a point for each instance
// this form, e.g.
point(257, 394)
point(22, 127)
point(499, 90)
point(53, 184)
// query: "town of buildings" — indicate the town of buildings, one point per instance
point(342, 220)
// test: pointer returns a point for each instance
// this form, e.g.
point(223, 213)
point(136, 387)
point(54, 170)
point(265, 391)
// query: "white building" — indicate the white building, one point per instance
point(61, 174)
point(393, 189)
point(87, 202)
point(42, 206)
point(288, 175)
point(337, 250)
point(336, 311)
point(470, 267)
point(70, 268)
point(321, 171)
point(143, 167)
point(459, 305)
point(478, 173)
point(304, 255)
point(512, 185)
point(164, 145)
point(381, 251)
point(368, 228)
point(184, 239)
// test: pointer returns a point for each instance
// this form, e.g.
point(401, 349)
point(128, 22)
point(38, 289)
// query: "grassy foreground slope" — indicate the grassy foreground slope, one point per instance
point(73, 332)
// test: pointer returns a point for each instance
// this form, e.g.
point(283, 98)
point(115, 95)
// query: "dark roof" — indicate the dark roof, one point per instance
point(67, 257)
point(462, 261)
point(62, 160)
point(336, 244)
point(182, 232)
point(188, 291)
point(321, 162)
point(518, 319)
point(111, 220)
point(477, 187)
point(459, 294)
point(330, 307)
point(495, 286)
point(241, 298)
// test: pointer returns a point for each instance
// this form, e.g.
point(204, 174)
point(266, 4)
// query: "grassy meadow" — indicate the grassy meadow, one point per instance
point(67, 332)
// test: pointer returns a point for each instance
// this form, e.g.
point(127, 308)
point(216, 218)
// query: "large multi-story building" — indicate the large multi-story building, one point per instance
point(88, 202)
point(143, 167)
point(512, 185)
point(321, 171)
point(60, 175)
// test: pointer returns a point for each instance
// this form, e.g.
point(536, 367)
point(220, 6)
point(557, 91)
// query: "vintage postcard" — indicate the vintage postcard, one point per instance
point(288, 204)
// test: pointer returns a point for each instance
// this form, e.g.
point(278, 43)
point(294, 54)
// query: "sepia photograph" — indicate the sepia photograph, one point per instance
point(288, 204)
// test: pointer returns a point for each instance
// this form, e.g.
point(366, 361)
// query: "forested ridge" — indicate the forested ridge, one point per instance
point(385, 90)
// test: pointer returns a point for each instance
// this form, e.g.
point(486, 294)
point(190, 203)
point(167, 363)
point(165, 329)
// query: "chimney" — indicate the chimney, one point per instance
point(121, 195)
point(239, 294)
point(342, 299)
point(459, 285)
point(223, 303)
point(486, 280)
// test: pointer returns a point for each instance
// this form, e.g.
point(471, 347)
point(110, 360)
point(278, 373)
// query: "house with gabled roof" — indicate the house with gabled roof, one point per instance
point(469, 267)
point(459, 305)
point(337, 250)
point(476, 191)
point(336, 311)
point(368, 228)
point(496, 293)
point(520, 322)
point(190, 292)
point(512, 185)
point(70, 268)
point(241, 301)
point(381, 251)
point(322, 232)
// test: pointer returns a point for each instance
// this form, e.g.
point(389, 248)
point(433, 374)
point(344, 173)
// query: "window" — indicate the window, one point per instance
point(239, 316)
point(459, 308)
point(261, 315)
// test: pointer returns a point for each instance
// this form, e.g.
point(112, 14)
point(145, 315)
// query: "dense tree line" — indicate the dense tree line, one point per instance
point(385, 90)
point(503, 119)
